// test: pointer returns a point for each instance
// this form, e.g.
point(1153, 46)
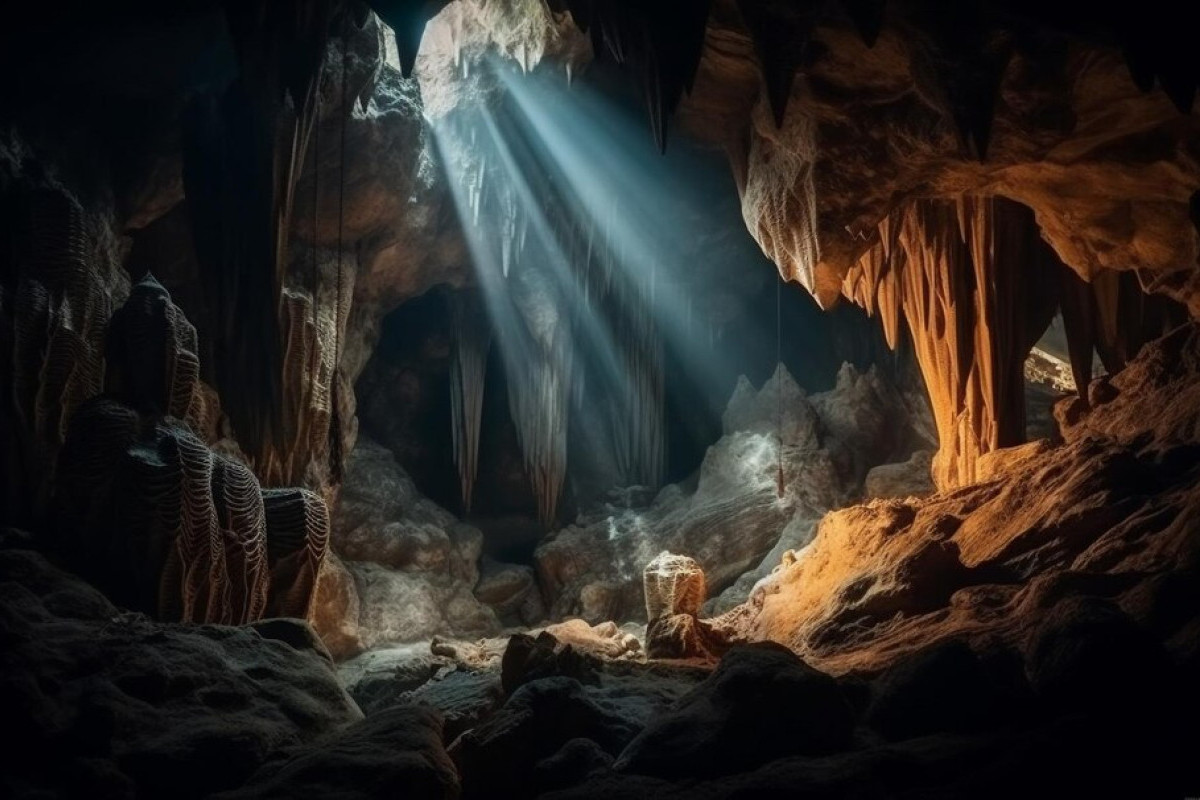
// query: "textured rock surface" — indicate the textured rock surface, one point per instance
point(674, 585)
point(1111, 513)
point(104, 700)
point(742, 498)
point(168, 526)
point(414, 565)
point(868, 126)
point(761, 703)
point(395, 752)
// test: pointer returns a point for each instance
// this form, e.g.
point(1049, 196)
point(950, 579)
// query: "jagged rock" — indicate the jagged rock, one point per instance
point(761, 703)
point(381, 517)
point(673, 584)
point(796, 535)
point(985, 563)
point(741, 502)
point(604, 640)
point(142, 708)
point(398, 751)
point(528, 658)
point(536, 720)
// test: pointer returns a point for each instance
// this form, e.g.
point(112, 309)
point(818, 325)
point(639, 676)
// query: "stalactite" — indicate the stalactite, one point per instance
point(977, 286)
point(538, 395)
point(468, 369)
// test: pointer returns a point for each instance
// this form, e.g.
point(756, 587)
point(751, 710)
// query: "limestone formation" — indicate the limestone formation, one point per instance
point(170, 527)
point(674, 584)
point(60, 284)
point(985, 562)
point(736, 510)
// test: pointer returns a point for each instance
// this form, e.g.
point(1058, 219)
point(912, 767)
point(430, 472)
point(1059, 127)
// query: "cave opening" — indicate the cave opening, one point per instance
point(578, 398)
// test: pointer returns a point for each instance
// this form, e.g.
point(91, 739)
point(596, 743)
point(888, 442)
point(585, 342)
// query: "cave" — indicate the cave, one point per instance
point(595, 398)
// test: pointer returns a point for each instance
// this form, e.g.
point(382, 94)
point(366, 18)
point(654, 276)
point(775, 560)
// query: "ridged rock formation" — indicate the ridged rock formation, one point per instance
point(152, 360)
point(734, 511)
point(297, 530)
point(56, 295)
point(1110, 513)
point(977, 287)
point(154, 516)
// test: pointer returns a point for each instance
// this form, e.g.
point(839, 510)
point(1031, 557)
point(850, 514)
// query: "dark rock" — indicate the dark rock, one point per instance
point(683, 636)
point(528, 658)
point(170, 710)
point(295, 632)
point(761, 703)
point(942, 688)
point(572, 764)
point(1088, 655)
point(497, 757)
point(464, 698)
point(396, 753)
point(508, 589)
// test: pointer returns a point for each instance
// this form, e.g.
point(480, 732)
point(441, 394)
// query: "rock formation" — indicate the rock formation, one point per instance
point(146, 509)
point(1109, 513)
point(733, 511)
point(414, 565)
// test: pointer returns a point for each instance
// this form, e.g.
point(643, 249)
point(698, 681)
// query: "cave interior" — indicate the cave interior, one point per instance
point(597, 398)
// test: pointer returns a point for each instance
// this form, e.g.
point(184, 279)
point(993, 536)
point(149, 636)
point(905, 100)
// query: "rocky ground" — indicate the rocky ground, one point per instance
point(1037, 633)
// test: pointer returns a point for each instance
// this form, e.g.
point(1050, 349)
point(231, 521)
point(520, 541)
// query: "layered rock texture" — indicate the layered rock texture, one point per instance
point(147, 510)
point(1107, 516)
point(748, 491)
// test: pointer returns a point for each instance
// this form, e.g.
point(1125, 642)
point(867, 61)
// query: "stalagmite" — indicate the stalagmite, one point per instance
point(468, 369)
point(297, 530)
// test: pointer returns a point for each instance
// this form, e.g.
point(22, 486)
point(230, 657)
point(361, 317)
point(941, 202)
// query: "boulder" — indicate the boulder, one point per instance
point(335, 609)
point(528, 658)
point(104, 701)
point(497, 757)
point(403, 606)
point(761, 703)
point(397, 752)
